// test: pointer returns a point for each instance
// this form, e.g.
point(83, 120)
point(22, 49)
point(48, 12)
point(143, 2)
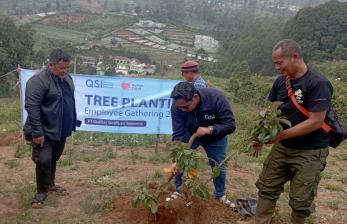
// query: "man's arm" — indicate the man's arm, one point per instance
point(179, 119)
point(314, 122)
point(34, 94)
point(226, 122)
point(319, 102)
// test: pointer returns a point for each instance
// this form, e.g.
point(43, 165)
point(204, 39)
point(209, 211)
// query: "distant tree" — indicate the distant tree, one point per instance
point(253, 45)
point(340, 53)
point(57, 5)
point(126, 7)
point(138, 10)
point(201, 52)
point(16, 44)
point(113, 41)
point(319, 30)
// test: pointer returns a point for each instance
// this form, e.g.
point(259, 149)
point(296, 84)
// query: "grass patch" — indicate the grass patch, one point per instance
point(157, 175)
point(88, 156)
point(327, 175)
point(158, 158)
point(26, 193)
point(343, 179)
point(90, 205)
point(12, 163)
point(107, 154)
point(333, 187)
point(95, 203)
point(22, 150)
point(334, 205)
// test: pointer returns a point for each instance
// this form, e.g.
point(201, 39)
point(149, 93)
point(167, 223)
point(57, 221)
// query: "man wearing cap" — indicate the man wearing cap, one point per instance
point(207, 113)
point(190, 72)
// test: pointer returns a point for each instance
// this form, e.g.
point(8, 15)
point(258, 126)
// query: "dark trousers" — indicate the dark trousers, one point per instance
point(46, 158)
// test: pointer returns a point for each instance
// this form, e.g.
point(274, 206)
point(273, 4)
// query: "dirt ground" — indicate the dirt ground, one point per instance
point(101, 187)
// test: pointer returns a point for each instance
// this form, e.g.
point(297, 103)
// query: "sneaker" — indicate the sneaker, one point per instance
point(226, 202)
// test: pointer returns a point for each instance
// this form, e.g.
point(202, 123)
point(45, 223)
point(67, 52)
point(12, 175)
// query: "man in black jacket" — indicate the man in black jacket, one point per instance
point(207, 113)
point(50, 103)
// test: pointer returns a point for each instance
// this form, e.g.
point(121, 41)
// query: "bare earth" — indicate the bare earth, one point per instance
point(101, 188)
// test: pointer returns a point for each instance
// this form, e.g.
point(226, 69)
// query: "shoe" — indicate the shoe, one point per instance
point(226, 202)
point(57, 189)
point(38, 200)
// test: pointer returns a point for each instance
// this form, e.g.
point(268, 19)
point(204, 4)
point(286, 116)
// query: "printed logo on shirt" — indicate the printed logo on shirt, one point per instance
point(298, 95)
point(210, 117)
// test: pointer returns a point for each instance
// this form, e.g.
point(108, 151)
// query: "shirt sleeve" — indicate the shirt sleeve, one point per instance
point(273, 93)
point(179, 119)
point(226, 124)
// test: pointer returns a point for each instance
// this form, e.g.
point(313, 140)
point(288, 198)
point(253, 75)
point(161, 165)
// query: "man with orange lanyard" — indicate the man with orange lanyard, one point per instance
point(300, 151)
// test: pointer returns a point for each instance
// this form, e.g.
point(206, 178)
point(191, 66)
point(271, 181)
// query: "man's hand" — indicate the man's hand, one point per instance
point(279, 136)
point(39, 140)
point(202, 131)
point(174, 169)
point(257, 147)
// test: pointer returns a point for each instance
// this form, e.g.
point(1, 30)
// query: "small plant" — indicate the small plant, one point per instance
point(146, 199)
point(13, 163)
point(188, 162)
point(267, 126)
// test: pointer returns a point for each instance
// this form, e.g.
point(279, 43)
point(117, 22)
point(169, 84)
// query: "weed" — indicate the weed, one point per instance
point(26, 194)
point(343, 179)
point(22, 150)
point(158, 158)
point(332, 187)
point(88, 157)
point(334, 205)
point(13, 163)
point(157, 174)
point(90, 205)
point(108, 172)
point(327, 175)
point(65, 161)
point(107, 154)
point(311, 219)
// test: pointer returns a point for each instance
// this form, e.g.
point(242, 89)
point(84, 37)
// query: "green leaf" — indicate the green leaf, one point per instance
point(154, 207)
point(285, 121)
point(215, 171)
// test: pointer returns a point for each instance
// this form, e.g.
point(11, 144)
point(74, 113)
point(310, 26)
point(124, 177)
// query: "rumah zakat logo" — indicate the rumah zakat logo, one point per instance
point(125, 85)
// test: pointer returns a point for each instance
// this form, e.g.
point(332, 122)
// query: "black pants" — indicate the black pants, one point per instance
point(46, 158)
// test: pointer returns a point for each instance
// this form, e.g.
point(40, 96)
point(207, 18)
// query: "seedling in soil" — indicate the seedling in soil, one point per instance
point(147, 199)
point(188, 162)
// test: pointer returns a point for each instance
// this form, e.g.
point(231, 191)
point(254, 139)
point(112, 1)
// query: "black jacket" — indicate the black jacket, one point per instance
point(44, 104)
point(213, 110)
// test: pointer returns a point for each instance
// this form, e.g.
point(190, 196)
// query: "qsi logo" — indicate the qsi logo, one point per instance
point(94, 83)
point(98, 84)
point(125, 85)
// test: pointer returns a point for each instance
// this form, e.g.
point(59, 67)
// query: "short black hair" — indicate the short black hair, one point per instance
point(183, 90)
point(289, 47)
point(57, 55)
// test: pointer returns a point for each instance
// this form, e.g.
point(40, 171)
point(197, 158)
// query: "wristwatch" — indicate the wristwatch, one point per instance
point(211, 129)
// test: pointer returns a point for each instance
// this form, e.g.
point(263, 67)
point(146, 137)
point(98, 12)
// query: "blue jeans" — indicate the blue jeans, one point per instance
point(217, 152)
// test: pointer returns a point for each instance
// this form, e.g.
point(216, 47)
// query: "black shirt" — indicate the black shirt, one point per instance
point(313, 91)
point(68, 109)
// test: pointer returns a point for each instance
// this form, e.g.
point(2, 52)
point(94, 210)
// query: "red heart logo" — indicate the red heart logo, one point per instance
point(125, 85)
